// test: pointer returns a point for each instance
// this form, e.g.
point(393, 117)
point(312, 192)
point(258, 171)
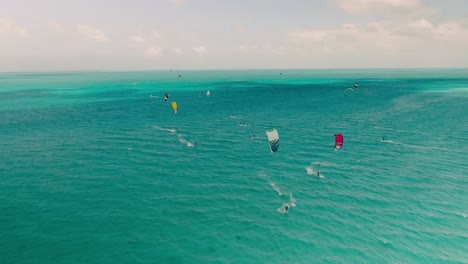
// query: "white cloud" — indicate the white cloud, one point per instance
point(153, 51)
point(7, 26)
point(311, 35)
point(56, 26)
point(395, 7)
point(240, 29)
point(137, 39)
point(92, 32)
point(244, 49)
point(451, 31)
point(176, 51)
point(155, 35)
point(385, 36)
point(200, 51)
point(177, 2)
point(148, 42)
point(262, 49)
point(420, 24)
point(145, 38)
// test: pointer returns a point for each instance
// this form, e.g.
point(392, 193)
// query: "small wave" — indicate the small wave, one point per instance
point(233, 116)
point(322, 163)
point(382, 128)
point(185, 142)
point(166, 129)
point(310, 171)
point(153, 96)
point(261, 174)
point(182, 139)
point(282, 209)
point(384, 242)
point(276, 188)
point(397, 130)
point(292, 201)
point(462, 215)
point(290, 204)
point(317, 164)
point(411, 146)
point(255, 137)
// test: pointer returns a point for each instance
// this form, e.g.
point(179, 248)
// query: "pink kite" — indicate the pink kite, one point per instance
point(338, 141)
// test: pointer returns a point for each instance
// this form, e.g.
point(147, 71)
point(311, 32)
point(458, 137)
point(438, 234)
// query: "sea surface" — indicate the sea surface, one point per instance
point(95, 167)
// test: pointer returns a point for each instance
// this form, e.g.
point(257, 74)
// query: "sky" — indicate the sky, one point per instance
point(117, 35)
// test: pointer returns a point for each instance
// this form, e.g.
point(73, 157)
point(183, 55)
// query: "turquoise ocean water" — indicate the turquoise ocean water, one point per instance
point(96, 167)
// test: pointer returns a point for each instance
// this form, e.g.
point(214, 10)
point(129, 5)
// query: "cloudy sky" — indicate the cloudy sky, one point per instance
point(62, 35)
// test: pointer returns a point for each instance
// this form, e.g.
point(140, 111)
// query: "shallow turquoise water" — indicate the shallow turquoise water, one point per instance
point(89, 171)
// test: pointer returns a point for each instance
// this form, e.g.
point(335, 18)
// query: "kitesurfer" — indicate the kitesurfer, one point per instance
point(286, 208)
point(318, 173)
point(166, 96)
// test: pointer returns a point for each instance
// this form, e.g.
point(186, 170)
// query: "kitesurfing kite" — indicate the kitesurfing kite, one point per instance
point(338, 141)
point(166, 96)
point(174, 107)
point(356, 85)
point(273, 138)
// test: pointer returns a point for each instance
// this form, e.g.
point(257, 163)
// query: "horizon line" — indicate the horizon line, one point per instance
point(236, 69)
